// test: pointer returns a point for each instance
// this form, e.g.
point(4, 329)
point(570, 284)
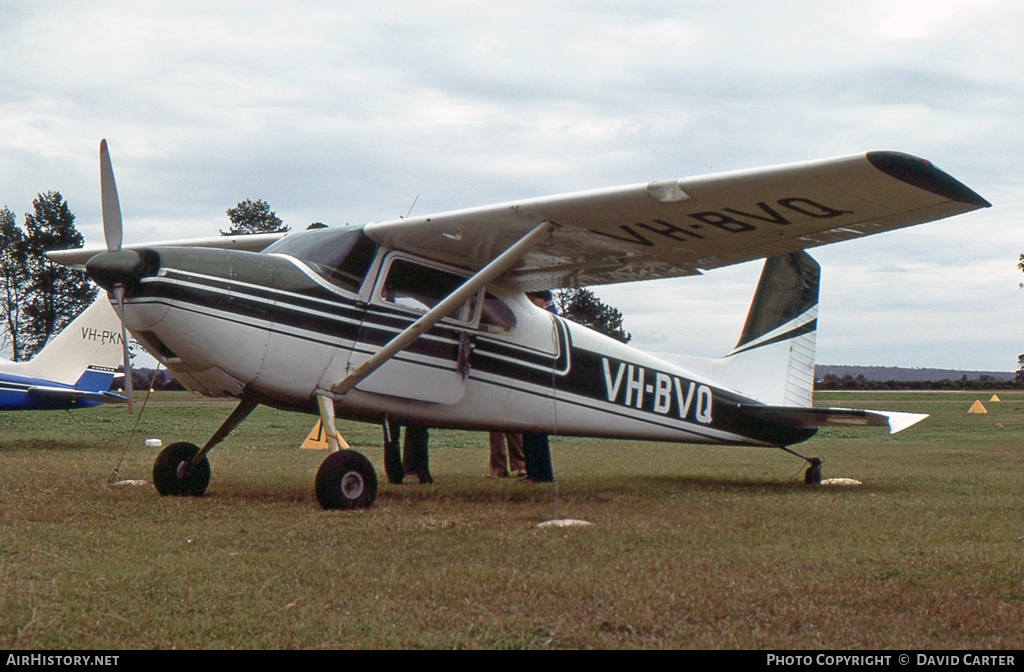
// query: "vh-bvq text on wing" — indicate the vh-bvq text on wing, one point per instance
point(681, 227)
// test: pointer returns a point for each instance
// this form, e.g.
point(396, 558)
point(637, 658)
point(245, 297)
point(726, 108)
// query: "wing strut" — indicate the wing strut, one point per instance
point(488, 273)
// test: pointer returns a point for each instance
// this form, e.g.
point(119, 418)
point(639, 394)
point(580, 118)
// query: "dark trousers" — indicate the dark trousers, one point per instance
point(538, 458)
point(416, 459)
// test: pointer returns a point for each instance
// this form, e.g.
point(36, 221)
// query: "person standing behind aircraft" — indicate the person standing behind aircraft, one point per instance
point(414, 462)
point(536, 447)
point(415, 458)
point(505, 462)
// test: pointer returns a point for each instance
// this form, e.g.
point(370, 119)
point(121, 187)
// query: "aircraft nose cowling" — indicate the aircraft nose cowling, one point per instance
point(123, 267)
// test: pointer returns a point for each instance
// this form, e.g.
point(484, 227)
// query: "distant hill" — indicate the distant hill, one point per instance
point(884, 373)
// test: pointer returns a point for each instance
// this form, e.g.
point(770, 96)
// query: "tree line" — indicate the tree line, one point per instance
point(831, 381)
point(38, 298)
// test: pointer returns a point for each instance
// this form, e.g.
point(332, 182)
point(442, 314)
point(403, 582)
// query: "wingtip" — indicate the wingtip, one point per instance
point(925, 175)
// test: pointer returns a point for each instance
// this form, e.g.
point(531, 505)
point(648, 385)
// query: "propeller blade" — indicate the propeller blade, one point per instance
point(111, 205)
point(119, 296)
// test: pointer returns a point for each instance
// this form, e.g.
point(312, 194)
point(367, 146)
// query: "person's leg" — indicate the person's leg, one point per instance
point(499, 458)
point(416, 452)
point(392, 453)
point(516, 459)
point(538, 457)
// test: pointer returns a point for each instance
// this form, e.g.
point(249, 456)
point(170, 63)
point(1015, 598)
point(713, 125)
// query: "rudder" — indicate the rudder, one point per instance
point(775, 352)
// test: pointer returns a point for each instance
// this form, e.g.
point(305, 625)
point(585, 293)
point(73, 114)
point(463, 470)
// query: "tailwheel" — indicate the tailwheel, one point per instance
point(175, 475)
point(346, 480)
point(813, 474)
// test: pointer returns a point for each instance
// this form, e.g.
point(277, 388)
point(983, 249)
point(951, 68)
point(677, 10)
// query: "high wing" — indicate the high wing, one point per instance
point(682, 227)
point(76, 258)
point(669, 228)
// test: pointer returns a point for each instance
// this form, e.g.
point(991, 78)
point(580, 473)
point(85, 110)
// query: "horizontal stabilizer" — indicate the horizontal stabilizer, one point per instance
point(795, 417)
point(69, 394)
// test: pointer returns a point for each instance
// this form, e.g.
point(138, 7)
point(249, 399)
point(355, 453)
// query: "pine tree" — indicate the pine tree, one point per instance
point(581, 306)
point(253, 217)
point(14, 282)
point(56, 294)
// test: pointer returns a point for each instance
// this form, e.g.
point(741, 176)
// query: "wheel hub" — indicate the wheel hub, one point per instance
point(352, 485)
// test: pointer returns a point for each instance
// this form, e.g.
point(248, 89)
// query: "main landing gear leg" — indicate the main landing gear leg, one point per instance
point(813, 474)
point(346, 479)
point(182, 470)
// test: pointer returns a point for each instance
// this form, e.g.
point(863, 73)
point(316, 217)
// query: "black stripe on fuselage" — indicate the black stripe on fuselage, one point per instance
point(341, 318)
point(337, 321)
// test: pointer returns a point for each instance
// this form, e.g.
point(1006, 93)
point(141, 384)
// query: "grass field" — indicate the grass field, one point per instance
point(690, 547)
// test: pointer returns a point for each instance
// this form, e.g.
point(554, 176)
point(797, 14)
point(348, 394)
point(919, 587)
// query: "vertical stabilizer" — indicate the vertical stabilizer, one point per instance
point(774, 358)
point(85, 353)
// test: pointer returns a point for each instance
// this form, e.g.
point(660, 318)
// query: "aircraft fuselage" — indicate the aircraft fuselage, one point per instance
point(265, 325)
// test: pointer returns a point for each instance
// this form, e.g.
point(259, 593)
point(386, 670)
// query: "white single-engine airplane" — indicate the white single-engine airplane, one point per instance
point(424, 320)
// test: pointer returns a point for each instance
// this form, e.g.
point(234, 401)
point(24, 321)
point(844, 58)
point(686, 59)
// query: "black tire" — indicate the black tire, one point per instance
point(346, 480)
point(175, 476)
point(813, 474)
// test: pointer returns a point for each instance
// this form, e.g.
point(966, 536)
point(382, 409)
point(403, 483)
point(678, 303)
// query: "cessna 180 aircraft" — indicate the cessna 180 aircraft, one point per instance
point(425, 321)
point(75, 368)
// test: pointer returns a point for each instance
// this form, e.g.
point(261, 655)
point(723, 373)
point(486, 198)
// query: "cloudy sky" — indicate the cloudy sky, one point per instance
point(346, 112)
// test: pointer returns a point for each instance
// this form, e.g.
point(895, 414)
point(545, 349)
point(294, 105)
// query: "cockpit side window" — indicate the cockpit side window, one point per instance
point(420, 288)
point(341, 256)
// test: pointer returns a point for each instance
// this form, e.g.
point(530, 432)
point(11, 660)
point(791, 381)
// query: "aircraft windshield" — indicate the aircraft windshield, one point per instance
point(340, 256)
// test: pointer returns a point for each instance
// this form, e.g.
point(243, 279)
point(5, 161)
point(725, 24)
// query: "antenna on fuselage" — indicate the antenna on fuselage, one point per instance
point(412, 206)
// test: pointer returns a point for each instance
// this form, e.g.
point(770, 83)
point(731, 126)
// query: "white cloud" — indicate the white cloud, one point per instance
point(346, 112)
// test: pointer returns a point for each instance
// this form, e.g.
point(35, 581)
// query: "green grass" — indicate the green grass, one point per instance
point(691, 547)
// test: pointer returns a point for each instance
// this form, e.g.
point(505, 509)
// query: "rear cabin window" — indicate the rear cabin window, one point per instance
point(420, 288)
point(340, 256)
point(496, 317)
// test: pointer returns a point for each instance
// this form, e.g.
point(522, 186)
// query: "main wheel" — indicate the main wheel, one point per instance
point(346, 480)
point(175, 475)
